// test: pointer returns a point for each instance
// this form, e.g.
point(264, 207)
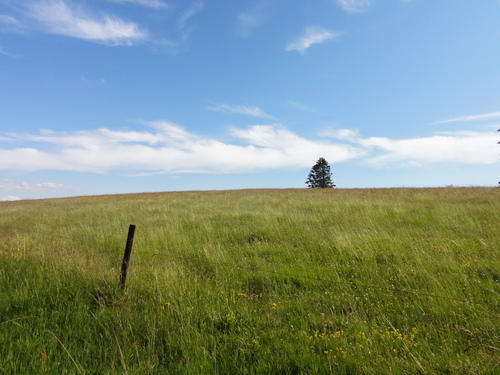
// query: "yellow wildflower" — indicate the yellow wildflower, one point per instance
point(162, 307)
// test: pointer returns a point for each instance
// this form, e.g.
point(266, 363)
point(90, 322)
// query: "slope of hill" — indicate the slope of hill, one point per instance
point(365, 281)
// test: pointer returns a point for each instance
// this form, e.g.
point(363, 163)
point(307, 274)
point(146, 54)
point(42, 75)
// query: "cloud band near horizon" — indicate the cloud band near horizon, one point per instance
point(169, 148)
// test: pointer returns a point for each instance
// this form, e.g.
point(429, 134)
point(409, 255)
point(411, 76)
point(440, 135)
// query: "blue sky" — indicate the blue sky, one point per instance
point(123, 96)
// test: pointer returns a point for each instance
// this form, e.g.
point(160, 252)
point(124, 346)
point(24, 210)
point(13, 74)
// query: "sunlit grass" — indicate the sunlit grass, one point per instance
point(363, 281)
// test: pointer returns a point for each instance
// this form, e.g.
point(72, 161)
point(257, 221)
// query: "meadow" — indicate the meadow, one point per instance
point(293, 281)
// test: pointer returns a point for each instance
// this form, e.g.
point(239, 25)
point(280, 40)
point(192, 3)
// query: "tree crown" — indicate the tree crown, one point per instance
point(320, 175)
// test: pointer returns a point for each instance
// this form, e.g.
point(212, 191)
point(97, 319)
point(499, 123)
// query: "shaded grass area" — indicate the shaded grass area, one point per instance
point(248, 282)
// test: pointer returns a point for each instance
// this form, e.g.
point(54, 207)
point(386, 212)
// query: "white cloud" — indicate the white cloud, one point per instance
point(484, 116)
point(26, 186)
point(354, 6)
point(460, 147)
point(154, 4)
point(30, 159)
point(448, 148)
point(10, 198)
point(341, 134)
point(63, 18)
point(242, 110)
point(312, 35)
point(297, 151)
point(170, 148)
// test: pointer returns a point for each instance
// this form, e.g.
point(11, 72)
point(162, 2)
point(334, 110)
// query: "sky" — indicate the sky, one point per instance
point(125, 96)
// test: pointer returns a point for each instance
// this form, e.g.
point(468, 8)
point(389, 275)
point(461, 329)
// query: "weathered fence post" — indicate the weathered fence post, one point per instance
point(126, 256)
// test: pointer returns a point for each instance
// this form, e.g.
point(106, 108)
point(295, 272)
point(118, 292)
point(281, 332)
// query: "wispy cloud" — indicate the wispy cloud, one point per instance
point(484, 116)
point(10, 24)
point(154, 4)
point(169, 148)
point(192, 11)
point(242, 110)
point(8, 54)
point(354, 6)
point(312, 35)
point(26, 186)
point(301, 106)
point(250, 20)
point(62, 17)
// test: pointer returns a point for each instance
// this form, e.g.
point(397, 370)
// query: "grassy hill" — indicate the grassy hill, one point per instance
point(354, 281)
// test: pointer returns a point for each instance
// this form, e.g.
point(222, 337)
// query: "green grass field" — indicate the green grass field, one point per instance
point(301, 281)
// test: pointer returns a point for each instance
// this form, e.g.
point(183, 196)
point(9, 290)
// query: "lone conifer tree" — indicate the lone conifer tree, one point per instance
point(320, 175)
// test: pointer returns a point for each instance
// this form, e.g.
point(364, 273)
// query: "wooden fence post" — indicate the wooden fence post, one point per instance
point(126, 256)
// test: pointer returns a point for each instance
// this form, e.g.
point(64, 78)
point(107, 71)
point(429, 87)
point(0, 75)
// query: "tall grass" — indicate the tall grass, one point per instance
point(359, 281)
